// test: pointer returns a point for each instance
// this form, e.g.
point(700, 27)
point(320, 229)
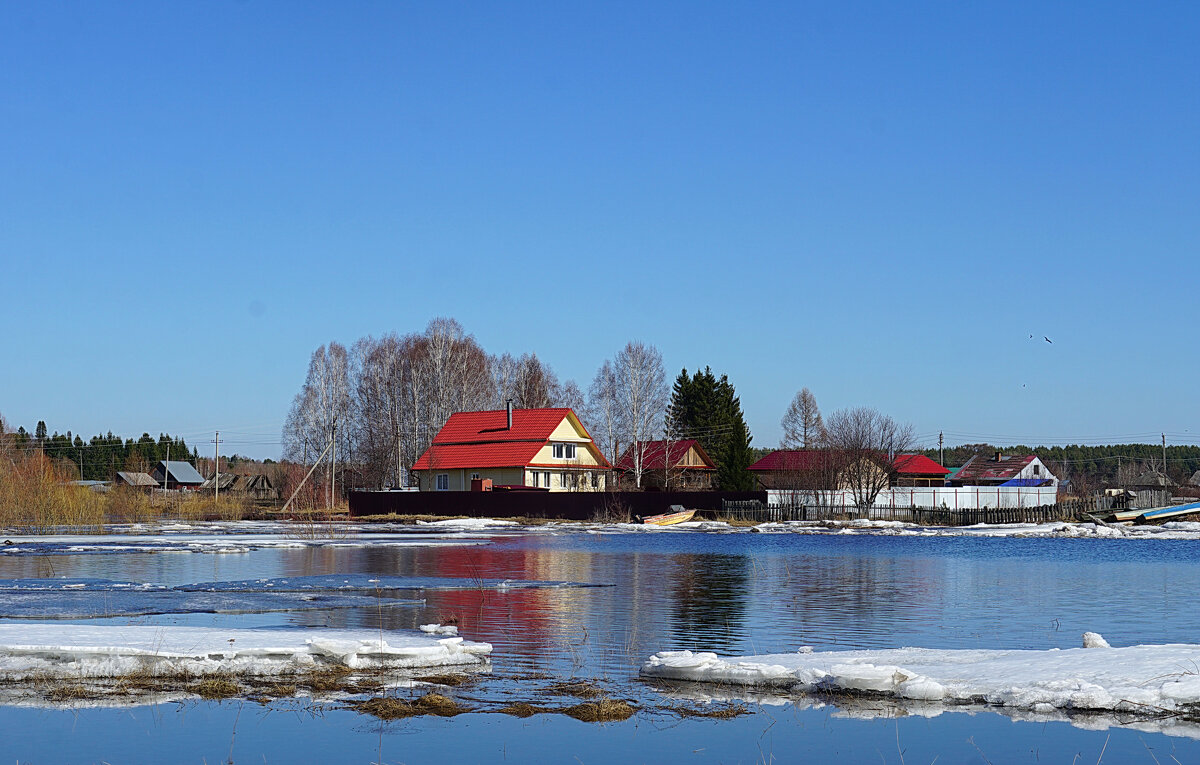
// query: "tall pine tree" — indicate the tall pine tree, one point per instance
point(707, 409)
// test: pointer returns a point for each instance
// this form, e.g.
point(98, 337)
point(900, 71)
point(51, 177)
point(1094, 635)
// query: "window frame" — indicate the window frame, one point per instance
point(442, 482)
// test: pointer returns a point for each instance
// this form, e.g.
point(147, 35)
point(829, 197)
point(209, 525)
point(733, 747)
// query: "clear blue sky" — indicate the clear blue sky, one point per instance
point(878, 201)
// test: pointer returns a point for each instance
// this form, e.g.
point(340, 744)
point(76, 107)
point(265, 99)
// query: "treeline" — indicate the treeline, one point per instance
point(100, 457)
point(1090, 468)
point(378, 404)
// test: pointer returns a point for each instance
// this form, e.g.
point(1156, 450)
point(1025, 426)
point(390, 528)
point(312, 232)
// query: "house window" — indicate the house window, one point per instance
point(474, 476)
point(546, 478)
point(535, 479)
point(443, 481)
point(564, 451)
point(1037, 469)
point(562, 481)
point(595, 480)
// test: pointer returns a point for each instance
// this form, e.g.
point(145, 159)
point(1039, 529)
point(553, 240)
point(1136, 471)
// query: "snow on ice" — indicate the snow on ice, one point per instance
point(96, 651)
point(1137, 679)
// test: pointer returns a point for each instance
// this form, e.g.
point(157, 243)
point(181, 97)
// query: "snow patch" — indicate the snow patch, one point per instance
point(72, 650)
point(1097, 677)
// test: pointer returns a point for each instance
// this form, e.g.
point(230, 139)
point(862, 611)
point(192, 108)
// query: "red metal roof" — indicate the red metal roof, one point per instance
point(483, 439)
point(793, 459)
point(992, 470)
point(918, 464)
point(653, 453)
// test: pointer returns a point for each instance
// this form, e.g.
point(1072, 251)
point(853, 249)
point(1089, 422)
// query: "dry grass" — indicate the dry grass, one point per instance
point(452, 681)
point(389, 708)
point(578, 689)
point(521, 709)
point(326, 679)
point(721, 712)
point(605, 710)
point(35, 496)
point(216, 688)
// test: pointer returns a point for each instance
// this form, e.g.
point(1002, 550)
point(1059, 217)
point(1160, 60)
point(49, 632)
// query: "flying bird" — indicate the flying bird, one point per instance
point(1048, 340)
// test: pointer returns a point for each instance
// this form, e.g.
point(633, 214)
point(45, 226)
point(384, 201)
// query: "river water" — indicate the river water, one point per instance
point(731, 593)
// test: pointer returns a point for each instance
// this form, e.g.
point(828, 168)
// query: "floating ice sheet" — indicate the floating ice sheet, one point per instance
point(1058, 529)
point(367, 583)
point(1142, 679)
point(95, 651)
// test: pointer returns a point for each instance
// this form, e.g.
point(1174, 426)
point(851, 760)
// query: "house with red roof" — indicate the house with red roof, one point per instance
point(547, 449)
point(918, 470)
point(825, 470)
point(1004, 470)
point(673, 465)
point(810, 469)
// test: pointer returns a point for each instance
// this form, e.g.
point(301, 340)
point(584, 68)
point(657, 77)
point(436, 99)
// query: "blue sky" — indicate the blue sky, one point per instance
point(878, 201)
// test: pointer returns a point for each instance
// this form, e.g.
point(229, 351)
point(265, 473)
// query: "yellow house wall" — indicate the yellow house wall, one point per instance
point(460, 478)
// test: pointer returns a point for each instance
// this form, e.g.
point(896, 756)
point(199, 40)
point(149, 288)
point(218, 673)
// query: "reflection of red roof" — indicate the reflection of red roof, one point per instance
point(793, 459)
point(653, 453)
point(483, 439)
point(918, 464)
point(1003, 469)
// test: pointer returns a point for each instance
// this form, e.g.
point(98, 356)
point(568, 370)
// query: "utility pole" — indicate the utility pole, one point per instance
point(333, 472)
point(941, 449)
point(1164, 436)
point(216, 465)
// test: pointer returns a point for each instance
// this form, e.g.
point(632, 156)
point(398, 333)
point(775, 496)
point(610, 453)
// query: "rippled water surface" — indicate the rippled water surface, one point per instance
point(735, 593)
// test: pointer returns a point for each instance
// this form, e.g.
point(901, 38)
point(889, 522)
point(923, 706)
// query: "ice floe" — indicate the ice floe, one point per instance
point(1141, 679)
point(99, 651)
point(1057, 529)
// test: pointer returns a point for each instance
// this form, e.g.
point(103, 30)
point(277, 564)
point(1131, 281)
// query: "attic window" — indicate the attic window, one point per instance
point(564, 451)
point(1037, 469)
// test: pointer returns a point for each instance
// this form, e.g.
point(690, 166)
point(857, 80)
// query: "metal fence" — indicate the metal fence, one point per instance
point(1066, 510)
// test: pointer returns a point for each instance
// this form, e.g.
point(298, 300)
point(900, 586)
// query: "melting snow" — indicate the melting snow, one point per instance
point(72, 650)
point(1135, 679)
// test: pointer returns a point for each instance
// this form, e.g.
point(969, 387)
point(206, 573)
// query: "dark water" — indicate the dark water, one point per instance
point(729, 593)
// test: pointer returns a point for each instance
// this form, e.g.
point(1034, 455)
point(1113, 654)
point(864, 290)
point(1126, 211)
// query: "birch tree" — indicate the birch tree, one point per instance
point(603, 417)
point(641, 393)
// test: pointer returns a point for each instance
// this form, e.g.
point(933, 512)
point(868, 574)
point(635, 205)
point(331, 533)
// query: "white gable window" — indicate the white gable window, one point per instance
point(443, 481)
point(1037, 469)
point(564, 451)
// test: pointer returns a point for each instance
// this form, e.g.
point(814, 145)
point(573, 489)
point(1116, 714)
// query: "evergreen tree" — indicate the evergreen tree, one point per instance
point(707, 409)
point(40, 433)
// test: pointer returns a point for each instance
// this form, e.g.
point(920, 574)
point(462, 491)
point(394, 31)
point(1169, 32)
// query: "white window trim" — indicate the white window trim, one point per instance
point(438, 482)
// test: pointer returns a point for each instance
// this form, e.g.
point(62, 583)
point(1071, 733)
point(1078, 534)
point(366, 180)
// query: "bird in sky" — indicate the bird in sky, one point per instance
point(1048, 340)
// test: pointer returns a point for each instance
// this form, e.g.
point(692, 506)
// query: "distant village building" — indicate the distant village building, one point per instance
point(177, 475)
point(675, 465)
point(1195, 479)
point(1151, 489)
point(1004, 470)
point(257, 486)
point(547, 449)
point(140, 481)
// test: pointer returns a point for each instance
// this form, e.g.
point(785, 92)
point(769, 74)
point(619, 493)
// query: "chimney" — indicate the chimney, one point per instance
point(999, 456)
point(510, 414)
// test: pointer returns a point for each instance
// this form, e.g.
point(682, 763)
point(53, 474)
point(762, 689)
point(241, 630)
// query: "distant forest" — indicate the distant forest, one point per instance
point(1090, 468)
point(100, 457)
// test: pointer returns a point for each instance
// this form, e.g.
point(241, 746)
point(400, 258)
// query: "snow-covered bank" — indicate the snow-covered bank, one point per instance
point(1139, 680)
point(1178, 530)
point(85, 651)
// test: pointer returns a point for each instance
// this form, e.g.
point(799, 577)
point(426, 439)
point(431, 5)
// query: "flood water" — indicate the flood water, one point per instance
point(731, 593)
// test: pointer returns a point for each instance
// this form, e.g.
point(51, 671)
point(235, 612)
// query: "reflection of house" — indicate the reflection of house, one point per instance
point(544, 448)
point(678, 465)
point(918, 470)
point(177, 474)
point(253, 486)
point(140, 481)
point(1001, 470)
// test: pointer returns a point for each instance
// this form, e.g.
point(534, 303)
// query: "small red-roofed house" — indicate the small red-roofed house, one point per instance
point(546, 449)
point(918, 470)
point(672, 465)
point(809, 469)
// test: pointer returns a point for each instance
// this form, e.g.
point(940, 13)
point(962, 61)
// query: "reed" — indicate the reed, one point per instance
point(36, 496)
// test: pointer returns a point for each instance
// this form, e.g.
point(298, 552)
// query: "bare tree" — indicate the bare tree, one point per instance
point(642, 398)
point(603, 412)
point(866, 443)
point(802, 425)
point(322, 406)
point(536, 386)
point(571, 397)
point(504, 369)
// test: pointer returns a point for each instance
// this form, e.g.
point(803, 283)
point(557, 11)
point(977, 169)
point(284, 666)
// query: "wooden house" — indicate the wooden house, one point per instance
point(671, 465)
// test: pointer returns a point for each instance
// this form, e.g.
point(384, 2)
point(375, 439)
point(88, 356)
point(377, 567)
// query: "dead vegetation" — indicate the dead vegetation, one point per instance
point(604, 710)
point(718, 712)
point(391, 708)
point(577, 688)
point(451, 681)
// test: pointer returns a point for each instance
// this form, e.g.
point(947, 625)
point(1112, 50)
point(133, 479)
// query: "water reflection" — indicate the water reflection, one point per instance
point(708, 600)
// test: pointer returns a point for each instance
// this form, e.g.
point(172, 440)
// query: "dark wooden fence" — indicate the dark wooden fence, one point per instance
point(1064, 510)
point(576, 506)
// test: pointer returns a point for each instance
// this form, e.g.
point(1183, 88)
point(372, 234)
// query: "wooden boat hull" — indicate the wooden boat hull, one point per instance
point(669, 519)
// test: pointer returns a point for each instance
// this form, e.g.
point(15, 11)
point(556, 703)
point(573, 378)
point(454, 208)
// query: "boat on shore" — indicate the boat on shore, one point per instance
point(669, 519)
